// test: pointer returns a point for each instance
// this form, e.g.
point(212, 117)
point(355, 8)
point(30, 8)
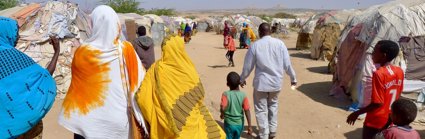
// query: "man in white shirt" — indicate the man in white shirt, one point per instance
point(270, 58)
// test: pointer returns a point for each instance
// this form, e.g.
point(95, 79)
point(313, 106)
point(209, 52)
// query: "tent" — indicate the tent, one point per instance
point(325, 36)
point(155, 25)
point(394, 21)
point(205, 24)
point(287, 22)
point(320, 33)
point(306, 33)
point(37, 22)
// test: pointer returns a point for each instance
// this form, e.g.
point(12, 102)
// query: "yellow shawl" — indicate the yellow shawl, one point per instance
point(171, 97)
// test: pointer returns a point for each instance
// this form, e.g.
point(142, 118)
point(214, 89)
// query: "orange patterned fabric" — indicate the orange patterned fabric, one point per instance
point(89, 81)
point(131, 63)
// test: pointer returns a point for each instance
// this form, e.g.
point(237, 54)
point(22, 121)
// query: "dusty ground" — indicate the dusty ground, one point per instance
point(305, 113)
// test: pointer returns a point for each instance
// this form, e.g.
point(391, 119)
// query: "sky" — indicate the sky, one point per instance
point(182, 5)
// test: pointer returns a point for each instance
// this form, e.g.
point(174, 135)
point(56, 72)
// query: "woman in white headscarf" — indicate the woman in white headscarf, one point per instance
point(106, 72)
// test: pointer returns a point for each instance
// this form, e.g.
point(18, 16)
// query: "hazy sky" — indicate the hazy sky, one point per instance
point(237, 4)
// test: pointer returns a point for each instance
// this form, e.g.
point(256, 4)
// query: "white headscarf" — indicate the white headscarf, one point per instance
point(106, 28)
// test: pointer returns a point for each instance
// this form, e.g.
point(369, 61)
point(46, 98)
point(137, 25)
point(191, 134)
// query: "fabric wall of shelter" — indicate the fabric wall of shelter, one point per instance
point(325, 38)
point(158, 33)
point(348, 59)
point(202, 27)
point(131, 29)
point(304, 41)
point(414, 54)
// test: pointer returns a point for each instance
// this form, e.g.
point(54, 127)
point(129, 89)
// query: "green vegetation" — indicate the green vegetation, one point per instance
point(4, 4)
point(265, 18)
point(191, 17)
point(132, 6)
point(159, 12)
point(124, 6)
point(284, 15)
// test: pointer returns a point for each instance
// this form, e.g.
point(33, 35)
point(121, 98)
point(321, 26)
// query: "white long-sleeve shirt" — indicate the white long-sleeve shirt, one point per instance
point(270, 58)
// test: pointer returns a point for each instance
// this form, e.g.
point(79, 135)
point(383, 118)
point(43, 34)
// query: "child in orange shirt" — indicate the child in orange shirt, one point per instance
point(387, 85)
point(230, 48)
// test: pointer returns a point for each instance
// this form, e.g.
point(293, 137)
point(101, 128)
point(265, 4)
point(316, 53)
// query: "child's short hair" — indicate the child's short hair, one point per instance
point(405, 110)
point(233, 80)
point(389, 48)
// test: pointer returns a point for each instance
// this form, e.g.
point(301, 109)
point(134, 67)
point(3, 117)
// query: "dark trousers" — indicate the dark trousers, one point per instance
point(229, 56)
point(370, 132)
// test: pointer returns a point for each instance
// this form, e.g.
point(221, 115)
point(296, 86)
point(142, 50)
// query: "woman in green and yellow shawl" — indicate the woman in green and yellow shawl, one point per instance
point(171, 97)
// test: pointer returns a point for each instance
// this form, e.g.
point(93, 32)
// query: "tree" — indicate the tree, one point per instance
point(4, 4)
point(125, 6)
point(132, 6)
point(284, 15)
point(159, 12)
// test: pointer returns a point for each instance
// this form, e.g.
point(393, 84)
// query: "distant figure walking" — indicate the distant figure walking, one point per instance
point(226, 32)
point(230, 49)
point(270, 58)
point(182, 28)
point(187, 33)
point(144, 47)
point(243, 39)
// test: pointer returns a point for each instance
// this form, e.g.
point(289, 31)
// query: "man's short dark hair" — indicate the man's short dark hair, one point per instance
point(390, 48)
point(405, 110)
point(141, 31)
point(233, 80)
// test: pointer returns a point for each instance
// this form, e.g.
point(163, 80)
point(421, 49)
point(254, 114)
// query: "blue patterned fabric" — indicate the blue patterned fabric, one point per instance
point(27, 91)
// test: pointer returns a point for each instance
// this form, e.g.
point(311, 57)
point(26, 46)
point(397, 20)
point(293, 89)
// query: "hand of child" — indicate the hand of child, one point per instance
point(351, 119)
point(250, 131)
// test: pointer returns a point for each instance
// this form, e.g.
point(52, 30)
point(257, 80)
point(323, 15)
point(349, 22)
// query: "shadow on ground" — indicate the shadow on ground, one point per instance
point(319, 92)
point(356, 134)
point(218, 66)
point(219, 47)
point(293, 49)
point(244, 133)
point(301, 55)
point(320, 70)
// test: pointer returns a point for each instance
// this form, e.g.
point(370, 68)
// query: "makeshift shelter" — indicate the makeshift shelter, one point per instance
point(168, 22)
point(325, 36)
point(306, 33)
point(287, 22)
point(391, 21)
point(204, 24)
point(37, 22)
point(155, 26)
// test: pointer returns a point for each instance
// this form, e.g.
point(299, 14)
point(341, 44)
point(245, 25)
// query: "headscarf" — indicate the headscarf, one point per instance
point(171, 97)
point(226, 30)
point(105, 73)
point(27, 90)
point(187, 29)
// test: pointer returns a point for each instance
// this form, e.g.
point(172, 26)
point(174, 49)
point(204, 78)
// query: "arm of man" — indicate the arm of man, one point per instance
point(377, 100)
point(56, 47)
point(249, 64)
point(288, 66)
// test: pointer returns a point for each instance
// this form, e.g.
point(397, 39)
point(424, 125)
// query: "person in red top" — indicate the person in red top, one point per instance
point(230, 48)
point(387, 85)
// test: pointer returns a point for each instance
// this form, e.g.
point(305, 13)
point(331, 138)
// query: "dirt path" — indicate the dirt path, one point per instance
point(305, 113)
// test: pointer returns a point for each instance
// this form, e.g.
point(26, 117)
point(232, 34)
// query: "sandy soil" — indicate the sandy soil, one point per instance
point(305, 113)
